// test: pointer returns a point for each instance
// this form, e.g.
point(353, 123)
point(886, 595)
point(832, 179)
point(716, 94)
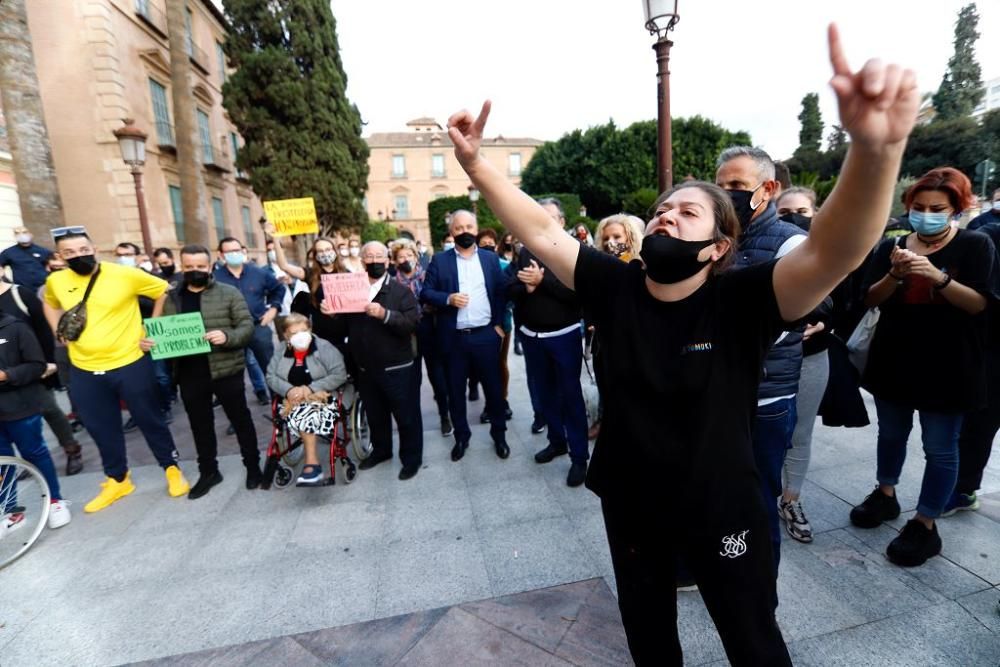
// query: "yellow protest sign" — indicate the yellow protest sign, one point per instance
point(292, 216)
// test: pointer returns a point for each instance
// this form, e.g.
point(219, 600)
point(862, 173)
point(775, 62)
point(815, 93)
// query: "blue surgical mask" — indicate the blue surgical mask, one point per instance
point(927, 223)
point(235, 258)
point(127, 260)
point(996, 205)
point(448, 246)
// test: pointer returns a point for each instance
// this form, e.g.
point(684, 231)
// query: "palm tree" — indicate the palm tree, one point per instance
point(34, 170)
point(193, 193)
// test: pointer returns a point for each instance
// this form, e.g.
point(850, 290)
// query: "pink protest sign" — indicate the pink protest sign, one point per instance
point(346, 292)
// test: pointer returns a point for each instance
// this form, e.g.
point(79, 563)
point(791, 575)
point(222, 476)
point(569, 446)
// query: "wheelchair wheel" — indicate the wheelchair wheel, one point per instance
point(361, 442)
point(24, 507)
point(283, 476)
point(347, 470)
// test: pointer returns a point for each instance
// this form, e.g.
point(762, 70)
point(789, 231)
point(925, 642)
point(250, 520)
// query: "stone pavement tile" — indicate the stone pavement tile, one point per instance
point(944, 635)
point(833, 584)
point(431, 572)
point(541, 617)
point(250, 542)
point(824, 510)
point(972, 541)
point(480, 464)
point(337, 523)
point(279, 651)
point(589, 528)
point(436, 512)
point(374, 643)
point(851, 482)
point(512, 500)
point(699, 640)
point(467, 640)
point(989, 506)
point(833, 447)
point(946, 579)
point(535, 554)
point(597, 637)
point(985, 606)
point(134, 557)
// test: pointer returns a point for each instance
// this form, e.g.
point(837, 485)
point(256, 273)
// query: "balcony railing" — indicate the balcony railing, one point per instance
point(214, 158)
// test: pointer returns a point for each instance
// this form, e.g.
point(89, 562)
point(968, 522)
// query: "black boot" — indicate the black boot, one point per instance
point(204, 484)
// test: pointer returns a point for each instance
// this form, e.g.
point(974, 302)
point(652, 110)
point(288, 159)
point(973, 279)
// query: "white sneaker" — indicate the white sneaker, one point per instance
point(10, 522)
point(59, 514)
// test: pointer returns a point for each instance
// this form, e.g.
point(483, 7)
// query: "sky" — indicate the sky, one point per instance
point(551, 66)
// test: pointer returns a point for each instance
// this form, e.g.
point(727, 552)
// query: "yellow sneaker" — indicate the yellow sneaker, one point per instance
point(110, 492)
point(176, 484)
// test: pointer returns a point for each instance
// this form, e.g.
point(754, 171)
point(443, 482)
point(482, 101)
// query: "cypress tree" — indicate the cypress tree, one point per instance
point(811, 130)
point(962, 86)
point(288, 99)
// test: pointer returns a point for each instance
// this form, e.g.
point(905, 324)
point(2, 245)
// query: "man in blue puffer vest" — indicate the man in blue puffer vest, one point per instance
point(748, 175)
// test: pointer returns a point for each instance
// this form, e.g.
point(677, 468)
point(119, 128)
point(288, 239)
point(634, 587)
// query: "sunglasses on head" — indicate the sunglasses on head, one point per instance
point(59, 232)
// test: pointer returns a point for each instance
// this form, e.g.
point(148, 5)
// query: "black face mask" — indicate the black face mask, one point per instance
point(82, 264)
point(488, 248)
point(741, 202)
point(669, 260)
point(797, 219)
point(405, 267)
point(196, 278)
point(375, 271)
point(168, 270)
point(465, 240)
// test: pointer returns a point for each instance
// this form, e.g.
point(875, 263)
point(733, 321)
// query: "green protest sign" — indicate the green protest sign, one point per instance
point(177, 335)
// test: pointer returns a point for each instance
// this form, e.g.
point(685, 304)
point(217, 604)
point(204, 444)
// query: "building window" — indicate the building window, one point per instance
point(514, 164)
point(995, 89)
point(248, 227)
point(178, 209)
point(220, 56)
point(402, 205)
point(437, 166)
point(188, 39)
point(142, 7)
point(205, 131)
point(399, 166)
point(235, 141)
point(220, 219)
point(161, 114)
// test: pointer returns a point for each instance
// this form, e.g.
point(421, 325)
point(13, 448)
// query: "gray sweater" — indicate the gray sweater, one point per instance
point(325, 362)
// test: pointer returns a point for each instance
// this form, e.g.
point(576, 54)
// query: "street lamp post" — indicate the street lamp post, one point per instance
point(132, 142)
point(474, 198)
point(661, 17)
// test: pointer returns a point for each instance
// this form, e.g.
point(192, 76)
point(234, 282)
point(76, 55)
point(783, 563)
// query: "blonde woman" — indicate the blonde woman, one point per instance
point(620, 235)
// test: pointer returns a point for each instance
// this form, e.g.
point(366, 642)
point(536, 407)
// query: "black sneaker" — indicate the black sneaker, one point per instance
point(446, 427)
point(538, 425)
point(914, 545)
point(254, 477)
point(129, 425)
point(484, 417)
point(875, 509)
point(204, 484)
point(550, 453)
point(577, 473)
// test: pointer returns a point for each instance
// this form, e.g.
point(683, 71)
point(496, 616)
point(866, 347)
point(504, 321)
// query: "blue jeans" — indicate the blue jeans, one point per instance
point(772, 437)
point(940, 433)
point(529, 375)
point(98, 397)
point(165, 382)
point(261, 348)
point(555, 363)
point(254, 371)
point(27, 435)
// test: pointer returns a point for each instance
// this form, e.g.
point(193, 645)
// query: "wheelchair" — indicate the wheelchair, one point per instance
point(350, 438)
point(24, 507)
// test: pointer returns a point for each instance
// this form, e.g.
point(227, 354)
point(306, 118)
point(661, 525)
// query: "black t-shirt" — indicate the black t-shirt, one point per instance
point(192, 366)
point(926, 353)
point(681, 381)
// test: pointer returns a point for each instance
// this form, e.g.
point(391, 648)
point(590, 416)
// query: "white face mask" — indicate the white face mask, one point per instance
point(301, 340)
point(343, 252)
point(127, 260)
point(996, 207)
point(355, 252)
point(272, 255)
point(146, 266)
point(448, 246)
point(23, 239)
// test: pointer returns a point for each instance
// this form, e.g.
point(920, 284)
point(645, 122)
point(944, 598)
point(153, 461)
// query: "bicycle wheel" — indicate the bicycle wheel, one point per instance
point(24, 507)
point(361, 442)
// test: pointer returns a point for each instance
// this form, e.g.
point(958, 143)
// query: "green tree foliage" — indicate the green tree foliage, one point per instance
point(288, 100)
point(376, 230)
point(438, 211)
point(605, 164)
point(811, 129)
point(946, 143)
point(640, 203)
point(961, 88)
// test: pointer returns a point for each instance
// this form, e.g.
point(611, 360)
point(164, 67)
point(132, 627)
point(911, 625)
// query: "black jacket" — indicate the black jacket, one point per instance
point(551, 307)
point(21, 359)
point(377, 345)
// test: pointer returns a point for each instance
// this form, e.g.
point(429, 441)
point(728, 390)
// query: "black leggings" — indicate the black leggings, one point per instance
point(735, 577)
point(974, 446)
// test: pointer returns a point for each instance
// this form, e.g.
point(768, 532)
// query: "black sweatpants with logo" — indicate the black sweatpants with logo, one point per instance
point(734, 572)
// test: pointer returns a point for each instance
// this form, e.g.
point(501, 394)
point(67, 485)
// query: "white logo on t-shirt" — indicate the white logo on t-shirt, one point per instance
point(2, 341)
point(734, 546)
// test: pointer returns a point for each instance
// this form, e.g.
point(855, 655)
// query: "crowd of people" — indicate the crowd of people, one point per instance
point(719, 330)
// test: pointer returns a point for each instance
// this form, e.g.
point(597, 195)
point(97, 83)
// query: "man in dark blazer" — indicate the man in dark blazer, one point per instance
point(470, 291)
point(379, 341)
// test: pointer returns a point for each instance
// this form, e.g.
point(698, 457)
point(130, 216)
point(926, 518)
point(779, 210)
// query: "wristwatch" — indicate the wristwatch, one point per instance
point(944, 283)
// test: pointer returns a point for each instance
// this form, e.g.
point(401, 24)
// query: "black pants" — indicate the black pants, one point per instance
point(476, 351)
point(391, 395)
point(429, 351)
point(974, 445)
point(735, 578)
point(196, 394)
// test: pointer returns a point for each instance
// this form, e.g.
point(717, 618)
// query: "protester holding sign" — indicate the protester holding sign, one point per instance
point(210, 361)
point(107, 364)
point(289, 217)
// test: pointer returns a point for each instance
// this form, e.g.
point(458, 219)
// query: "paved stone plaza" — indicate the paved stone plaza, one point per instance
point(449, 568)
